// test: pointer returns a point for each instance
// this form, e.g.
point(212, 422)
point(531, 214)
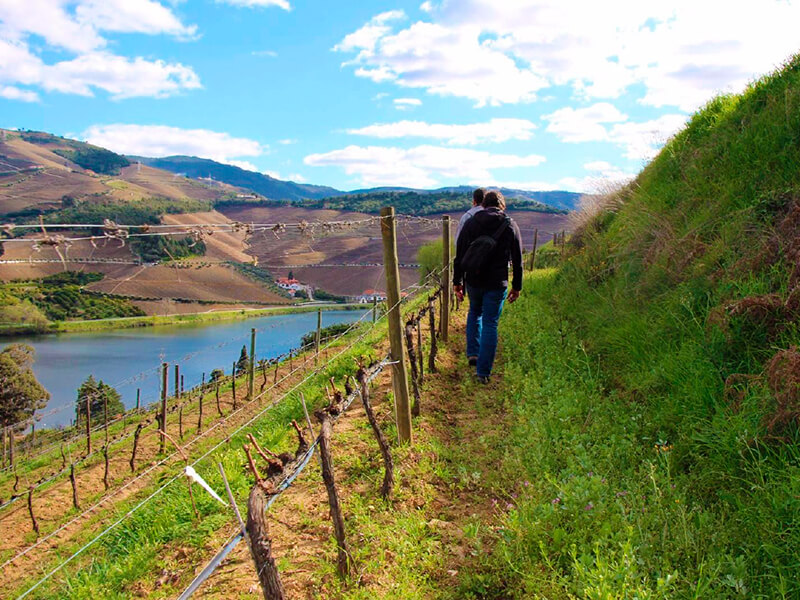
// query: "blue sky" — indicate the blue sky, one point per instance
point(540, 94)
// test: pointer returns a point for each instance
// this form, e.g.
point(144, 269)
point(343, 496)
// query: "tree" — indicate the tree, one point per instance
point(21, 395)
point(290, 275)
point(243, 363)
point(97, 393)
point(217, 374)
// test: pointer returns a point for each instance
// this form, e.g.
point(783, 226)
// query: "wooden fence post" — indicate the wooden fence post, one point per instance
point(343, 558)
point(138, 393)
point(374, 307)
point(432, 321)
point(420, 366)
point(275, 379)
point(88, 426)
point(563, 244)
point(216, 393)
point(30, 510)
point(136, 434)
point(317, 337)
point(446, 278)
point(388, 463)
point(74, 486)
point(105, 473)
point(261, 546)
point(399, 375)
point(251, 367)
point(533, 251)
point(412, 359)
point(177, 382)
point(164, 378)
point(233, 384)
point(180, 422)
point(200, 412)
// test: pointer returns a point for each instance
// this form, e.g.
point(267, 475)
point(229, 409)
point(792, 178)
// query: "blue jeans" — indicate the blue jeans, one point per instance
point(485, 306)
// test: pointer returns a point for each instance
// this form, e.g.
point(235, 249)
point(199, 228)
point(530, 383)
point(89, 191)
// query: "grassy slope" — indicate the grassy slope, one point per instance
point(650, 480)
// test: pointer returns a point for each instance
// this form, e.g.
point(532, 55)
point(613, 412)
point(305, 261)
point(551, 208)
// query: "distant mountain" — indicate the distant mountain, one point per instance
point(558, 199)
point(203, 168)
point(423, 202)
point(276, 189)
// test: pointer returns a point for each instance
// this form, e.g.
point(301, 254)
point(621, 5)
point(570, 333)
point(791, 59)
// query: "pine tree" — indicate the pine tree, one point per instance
point(98, 393)
point(243, 362)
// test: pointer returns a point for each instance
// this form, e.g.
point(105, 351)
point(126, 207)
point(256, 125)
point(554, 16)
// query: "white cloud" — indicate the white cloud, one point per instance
point(406, 103)
point(161, 140)
point(270, 53)
point(421, 166)
point(583, 124)
point(601, 174)
point(364, 39)
point(287, 141)
point(296, 177)
point(76, 27)
point(243, 164)
point(284, 4)
point(132, 16)
point(681, 52)
point(591, 124)
point(14, 93)
point(492, 131)
point(445, 61)
point(119, 76)
point(426, 6)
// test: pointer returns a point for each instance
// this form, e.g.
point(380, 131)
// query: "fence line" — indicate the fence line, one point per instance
point(313, 373)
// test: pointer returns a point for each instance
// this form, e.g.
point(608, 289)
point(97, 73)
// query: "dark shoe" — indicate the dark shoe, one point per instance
point(473, 361)
point(484, 379)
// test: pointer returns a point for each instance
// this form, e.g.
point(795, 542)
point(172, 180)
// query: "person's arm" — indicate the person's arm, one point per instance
point(462, 243)
point(516, 263)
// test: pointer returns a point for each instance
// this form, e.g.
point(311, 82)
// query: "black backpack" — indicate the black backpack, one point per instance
point(481, 248)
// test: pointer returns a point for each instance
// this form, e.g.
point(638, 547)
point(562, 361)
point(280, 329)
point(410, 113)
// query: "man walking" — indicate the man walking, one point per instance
point(488, 241)
point(477, 205)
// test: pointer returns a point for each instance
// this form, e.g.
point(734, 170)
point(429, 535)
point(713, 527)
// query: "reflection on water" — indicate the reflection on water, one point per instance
point(129, 358)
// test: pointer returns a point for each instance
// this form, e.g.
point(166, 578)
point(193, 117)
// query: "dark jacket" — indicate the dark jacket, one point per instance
point(509, 248)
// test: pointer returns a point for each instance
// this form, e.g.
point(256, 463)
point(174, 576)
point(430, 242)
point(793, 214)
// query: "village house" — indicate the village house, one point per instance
point(369, 296)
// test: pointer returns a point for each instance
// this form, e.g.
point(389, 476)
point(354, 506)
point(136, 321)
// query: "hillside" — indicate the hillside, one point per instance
point(556, 198)
point(412, 202)
point(40, 172)
point(651, 385)
point(203, 168)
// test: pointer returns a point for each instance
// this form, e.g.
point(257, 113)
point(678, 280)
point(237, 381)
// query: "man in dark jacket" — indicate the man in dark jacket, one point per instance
point(487, 287)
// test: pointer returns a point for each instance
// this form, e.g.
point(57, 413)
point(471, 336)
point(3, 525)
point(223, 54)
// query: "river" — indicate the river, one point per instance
point(130, 358)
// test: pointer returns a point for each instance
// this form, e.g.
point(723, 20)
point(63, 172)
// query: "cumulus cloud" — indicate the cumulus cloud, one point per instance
point(681, 52)
point(406, 103)
point(161, 140)
point(601, 175)
point(421, 166)
point(284, 4)
point(492, 131)
point(77, 28)
point(583, 124)
point(14, 93)
point(603, 122)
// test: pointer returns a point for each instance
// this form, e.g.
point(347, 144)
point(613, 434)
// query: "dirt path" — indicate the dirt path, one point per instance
point(416, 545)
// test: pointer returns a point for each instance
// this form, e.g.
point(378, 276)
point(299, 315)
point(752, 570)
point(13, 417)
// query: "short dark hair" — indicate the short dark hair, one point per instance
point(494, 198)
point(477, 196)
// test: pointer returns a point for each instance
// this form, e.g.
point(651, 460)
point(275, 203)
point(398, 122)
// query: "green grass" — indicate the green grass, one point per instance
point(144, 542)
point(644, 480)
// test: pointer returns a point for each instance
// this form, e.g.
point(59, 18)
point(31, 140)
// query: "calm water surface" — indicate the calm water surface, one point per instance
point(129, 358)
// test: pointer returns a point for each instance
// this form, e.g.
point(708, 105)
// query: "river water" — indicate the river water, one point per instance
point(130, 358)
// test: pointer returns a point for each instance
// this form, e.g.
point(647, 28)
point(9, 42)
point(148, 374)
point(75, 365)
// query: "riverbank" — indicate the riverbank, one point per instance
point(176, 319)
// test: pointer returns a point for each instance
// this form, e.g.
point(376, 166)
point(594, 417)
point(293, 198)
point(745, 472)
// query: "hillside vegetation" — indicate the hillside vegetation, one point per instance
point(653, 381)
point(418, 203)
